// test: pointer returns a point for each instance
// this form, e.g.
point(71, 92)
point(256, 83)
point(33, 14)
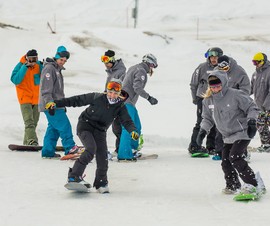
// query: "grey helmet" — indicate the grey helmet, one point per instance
point(150, 59)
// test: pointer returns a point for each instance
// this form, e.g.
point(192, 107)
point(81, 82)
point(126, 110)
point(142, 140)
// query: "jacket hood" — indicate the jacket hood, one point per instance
point(221, 75)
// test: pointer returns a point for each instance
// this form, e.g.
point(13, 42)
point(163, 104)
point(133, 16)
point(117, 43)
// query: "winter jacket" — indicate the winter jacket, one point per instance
point(229, 110)
point(118, 71)
point(238, 78)
point(135, 81)
point(52, 83)
point(198, 84)
point(27, 81)
point(260, 86)
point(100, 113)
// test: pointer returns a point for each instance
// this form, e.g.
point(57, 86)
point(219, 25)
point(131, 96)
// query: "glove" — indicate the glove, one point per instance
point(51, 107)
point(134, 135)
point(251, 131)
point(201, 135)
point(195, 101)
point(152, 100)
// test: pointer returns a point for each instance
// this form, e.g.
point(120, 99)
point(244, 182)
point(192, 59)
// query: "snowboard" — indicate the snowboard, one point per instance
point(199, 155)
point(78, 187)
point(70, 157)
point(148, 156)
point(247, 197)
point(18, 147)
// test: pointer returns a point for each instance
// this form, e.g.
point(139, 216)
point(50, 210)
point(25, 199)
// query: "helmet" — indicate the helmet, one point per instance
point(214, 51)
point(259, 59)
point(150, 59)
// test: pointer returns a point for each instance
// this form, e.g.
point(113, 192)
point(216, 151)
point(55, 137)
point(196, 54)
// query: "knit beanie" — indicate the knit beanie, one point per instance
point(62, 52)
point(32, 53)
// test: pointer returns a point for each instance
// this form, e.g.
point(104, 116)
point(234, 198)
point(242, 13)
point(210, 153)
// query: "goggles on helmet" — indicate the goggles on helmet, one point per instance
point(106, 59)
point(114, 86)
point(212, 53)
point(257, 62)
point(64, 54)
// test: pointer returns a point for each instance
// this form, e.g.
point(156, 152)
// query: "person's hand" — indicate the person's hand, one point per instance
point(134, 135)
point(51, 107)
point(251, 131)
point(201, 135)
point(152, 100)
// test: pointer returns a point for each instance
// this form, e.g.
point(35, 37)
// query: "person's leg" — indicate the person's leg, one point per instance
point(211, 140)
point(137, 122)
point(230, 175)
point(30, 136)
point(61, 123)
point(240, 164)
point(36, 115)
point(89, 143)
point(125, 148)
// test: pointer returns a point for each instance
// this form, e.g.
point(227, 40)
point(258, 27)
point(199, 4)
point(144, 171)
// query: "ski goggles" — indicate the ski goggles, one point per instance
point(257, 62)
point(114, 86)
point(107, 59)
point(211, 53)
point(65, 54)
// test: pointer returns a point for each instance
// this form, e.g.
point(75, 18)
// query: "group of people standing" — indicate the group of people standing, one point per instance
point(229, 118)
point(40, 88)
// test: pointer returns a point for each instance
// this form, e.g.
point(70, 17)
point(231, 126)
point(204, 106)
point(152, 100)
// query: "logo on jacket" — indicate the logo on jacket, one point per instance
point(48, 76)
point(143, 77)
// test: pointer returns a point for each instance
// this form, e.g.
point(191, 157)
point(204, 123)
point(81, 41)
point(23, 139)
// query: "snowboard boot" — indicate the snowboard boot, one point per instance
point(248, 189)
point(264, 148)
point(76, 150)
point(101, 186)
point(231, 190)
point(77, 179)
point(260, 187)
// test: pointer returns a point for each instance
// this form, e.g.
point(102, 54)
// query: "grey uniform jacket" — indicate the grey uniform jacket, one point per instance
point(135, 81)
point(198, 84)
point(51, 83)
point(260, 86)
point(118, 71)
point(229, 110)
point(238, 78)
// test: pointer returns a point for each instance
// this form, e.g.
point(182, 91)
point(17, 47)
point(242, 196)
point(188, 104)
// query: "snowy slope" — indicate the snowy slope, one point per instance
point(171, 190)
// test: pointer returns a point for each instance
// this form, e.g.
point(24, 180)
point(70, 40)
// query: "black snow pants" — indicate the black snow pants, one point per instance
point(233, 162)
point(95, 143)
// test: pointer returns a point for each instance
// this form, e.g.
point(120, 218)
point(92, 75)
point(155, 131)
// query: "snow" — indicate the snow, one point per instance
point(172, 190)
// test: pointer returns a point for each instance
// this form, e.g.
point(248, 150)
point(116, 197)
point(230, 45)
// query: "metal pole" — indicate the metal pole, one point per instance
point(135, 13)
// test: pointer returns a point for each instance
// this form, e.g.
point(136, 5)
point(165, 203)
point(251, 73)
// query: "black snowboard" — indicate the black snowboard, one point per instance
point(18, 147)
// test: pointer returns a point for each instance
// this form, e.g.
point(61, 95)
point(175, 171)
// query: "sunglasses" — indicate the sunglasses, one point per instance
point(106, 59)
point(32, 59)
point(114, 86)
point(65, 54)
point(257, 62)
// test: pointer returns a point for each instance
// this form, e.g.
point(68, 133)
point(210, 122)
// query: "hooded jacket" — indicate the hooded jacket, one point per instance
point(135, 81)
point(100, 113)
point(230, 109)
point(198, 84)
point(118, 71)
point(52, 83)
point(27, 80)
point(260, 86)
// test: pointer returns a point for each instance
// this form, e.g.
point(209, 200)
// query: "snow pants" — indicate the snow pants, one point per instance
point(95, 143)
point(210, 139)
point(126, 142)
point(234, 164)
point(263, 123)
point(30, 116)
point(58, 126)
point(117, 130)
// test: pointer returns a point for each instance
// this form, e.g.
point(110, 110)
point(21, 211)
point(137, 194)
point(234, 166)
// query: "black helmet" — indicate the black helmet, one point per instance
point(214, 51)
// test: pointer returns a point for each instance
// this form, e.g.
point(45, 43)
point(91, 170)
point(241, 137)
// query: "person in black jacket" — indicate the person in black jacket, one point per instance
point(92, 129)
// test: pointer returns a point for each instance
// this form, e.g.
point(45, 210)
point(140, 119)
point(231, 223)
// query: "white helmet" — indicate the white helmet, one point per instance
point(150, 59)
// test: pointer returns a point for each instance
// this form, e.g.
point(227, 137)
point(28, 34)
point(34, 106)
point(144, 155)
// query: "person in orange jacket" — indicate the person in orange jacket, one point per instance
point(26, 77)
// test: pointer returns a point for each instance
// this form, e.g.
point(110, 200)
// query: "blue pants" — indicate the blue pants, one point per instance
point(126, 142)
point(58, 126)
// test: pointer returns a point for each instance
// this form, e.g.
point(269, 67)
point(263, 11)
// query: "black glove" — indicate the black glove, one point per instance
point(152, 100)
point(251, 131)
point(201, 135)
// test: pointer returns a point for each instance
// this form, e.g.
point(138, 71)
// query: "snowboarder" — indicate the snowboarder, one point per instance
point(51, 89)
point(26, 77)
point(92, 129)
point(234, 113)
point(134, 84)
point(198, 86)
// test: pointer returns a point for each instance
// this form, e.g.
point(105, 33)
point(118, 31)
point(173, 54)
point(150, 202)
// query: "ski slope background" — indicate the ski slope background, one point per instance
point(171, 190)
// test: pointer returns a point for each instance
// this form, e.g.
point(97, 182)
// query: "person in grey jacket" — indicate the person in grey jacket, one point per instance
point(234, 113)
point(198, 86)
point(51, 89)
point(260, 88)
point(115, 70)
point(237, 79)
point(134, 84)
